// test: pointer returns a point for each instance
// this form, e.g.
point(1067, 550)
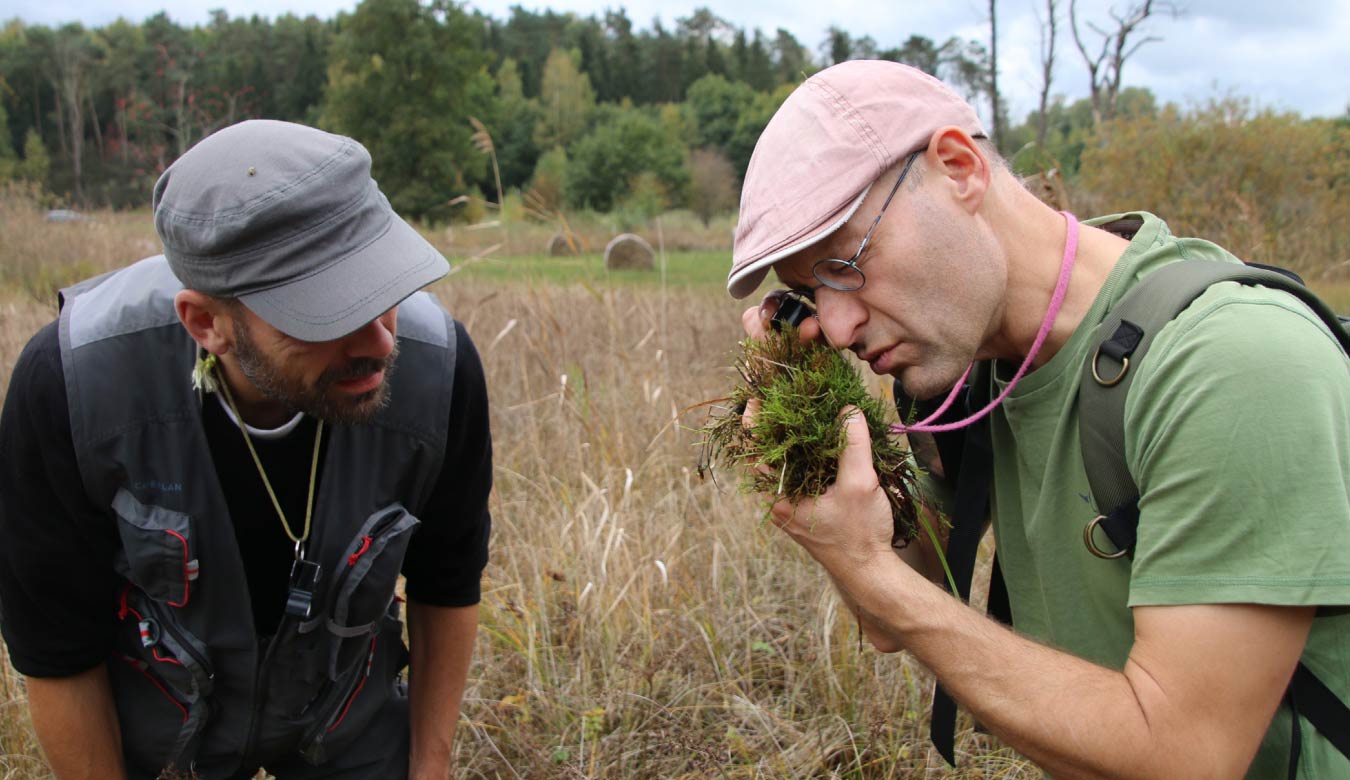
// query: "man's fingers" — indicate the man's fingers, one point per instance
point(809, 329)
point(855, 462)
point(751, 409)
point(755, 321)
point(784, 512)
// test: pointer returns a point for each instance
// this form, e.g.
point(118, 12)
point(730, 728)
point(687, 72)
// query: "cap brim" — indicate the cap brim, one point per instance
point(353, 291)
point(746, 278)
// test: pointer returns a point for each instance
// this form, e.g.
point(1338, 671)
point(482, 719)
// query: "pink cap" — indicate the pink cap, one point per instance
point(835, 135)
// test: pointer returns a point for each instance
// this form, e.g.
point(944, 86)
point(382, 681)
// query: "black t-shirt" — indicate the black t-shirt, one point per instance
point(57, 585)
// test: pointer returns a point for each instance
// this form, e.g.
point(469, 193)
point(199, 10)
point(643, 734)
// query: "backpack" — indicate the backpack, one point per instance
point(1122, 341)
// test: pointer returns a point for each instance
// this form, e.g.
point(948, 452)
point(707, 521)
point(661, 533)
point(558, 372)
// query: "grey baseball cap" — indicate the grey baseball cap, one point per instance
point(286, 219)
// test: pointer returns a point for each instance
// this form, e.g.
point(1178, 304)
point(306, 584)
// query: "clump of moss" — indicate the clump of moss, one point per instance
point(797, 432)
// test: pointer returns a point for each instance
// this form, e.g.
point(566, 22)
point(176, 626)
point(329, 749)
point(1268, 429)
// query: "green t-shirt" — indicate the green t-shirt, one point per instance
point(1238, 435)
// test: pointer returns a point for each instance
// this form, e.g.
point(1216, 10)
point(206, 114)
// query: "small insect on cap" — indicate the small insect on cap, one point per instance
point(835, 135)
point(287, 219)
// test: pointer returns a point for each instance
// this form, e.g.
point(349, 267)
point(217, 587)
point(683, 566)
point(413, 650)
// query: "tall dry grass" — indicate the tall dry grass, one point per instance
point(637, 622)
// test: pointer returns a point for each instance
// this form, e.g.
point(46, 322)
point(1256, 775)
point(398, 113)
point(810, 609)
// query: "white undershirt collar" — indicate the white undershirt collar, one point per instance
point(279, 432)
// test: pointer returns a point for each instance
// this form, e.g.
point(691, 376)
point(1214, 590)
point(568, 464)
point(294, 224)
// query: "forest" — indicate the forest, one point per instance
point(462, 111)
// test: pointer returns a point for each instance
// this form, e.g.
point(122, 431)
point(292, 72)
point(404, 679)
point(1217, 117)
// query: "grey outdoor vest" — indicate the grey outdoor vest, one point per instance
point(193, 684)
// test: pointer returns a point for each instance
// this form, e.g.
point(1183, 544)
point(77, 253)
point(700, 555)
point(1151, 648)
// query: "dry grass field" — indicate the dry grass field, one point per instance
point(637, 622)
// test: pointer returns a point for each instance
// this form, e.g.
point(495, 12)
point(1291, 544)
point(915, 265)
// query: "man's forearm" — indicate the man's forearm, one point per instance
point(441, 644)
point(76, 724)
point(1047, 704)
point(1072, 717)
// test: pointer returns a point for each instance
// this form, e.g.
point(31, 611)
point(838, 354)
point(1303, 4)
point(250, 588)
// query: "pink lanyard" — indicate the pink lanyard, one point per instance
point(1056, 301)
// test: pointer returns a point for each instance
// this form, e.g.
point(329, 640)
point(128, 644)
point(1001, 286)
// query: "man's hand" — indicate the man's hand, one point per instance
point(852, 520)
point(848, 528)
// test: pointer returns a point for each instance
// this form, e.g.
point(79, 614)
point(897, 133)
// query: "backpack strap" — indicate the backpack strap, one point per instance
point(968, 463)
point(1122, 340)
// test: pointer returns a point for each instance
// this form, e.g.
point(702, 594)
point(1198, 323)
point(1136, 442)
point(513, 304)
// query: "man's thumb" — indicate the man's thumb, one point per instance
point(856, 458)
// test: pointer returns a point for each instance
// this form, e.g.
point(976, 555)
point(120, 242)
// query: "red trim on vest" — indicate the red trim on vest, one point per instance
point(370, 663)
point(187, 574)
point(140, 667)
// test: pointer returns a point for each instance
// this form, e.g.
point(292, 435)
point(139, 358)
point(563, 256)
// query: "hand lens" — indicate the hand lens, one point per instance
point(793, 308)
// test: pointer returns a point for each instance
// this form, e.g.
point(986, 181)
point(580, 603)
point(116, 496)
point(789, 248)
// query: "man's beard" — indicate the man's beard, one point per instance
point(319, 400)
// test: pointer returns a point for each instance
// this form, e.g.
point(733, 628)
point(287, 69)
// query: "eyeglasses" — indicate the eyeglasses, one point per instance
point(847, 275)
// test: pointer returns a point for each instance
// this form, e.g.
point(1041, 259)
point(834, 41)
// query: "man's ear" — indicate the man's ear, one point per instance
point(958, 158)
point(207, 319)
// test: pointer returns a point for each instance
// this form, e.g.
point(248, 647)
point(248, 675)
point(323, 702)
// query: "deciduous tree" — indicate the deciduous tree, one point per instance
point(603, 165)
point(712, 184)
point(404, 80)
point(1106, 65)
point(566, 101)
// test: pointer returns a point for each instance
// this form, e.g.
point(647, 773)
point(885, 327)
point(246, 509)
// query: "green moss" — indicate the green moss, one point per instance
point(797, 432)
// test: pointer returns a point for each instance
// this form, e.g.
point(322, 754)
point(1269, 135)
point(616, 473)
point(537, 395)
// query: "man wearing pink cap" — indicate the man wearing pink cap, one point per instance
point(874, 193)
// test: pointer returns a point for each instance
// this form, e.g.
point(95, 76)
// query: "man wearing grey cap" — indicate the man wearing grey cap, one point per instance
point(873, 194)
point(213, 467)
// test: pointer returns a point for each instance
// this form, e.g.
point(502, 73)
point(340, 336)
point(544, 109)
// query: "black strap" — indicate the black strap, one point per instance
point(1000, 608)
point(1296, 730)
point(1322, 708)
point(1121, 526)
point(968, 461)
point(969, 520)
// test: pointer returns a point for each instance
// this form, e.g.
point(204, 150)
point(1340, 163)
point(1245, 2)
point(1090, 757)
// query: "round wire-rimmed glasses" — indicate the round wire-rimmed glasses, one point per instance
point(847, 275)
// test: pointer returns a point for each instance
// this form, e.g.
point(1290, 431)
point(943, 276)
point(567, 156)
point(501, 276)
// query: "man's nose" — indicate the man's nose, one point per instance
point(838, 316)
point(375, 339)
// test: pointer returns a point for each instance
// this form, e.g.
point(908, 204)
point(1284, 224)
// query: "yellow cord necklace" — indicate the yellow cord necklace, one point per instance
point(210, 363)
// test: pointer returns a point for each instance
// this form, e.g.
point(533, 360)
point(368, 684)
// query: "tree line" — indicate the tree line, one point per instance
point(594, 110)
point(455, 105)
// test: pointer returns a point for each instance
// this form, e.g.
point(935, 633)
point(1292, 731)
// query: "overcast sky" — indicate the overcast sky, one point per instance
point(1287, 55)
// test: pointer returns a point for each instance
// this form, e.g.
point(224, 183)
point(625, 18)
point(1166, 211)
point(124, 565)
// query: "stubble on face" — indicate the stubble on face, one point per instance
point(941, 298)
point(319, 399)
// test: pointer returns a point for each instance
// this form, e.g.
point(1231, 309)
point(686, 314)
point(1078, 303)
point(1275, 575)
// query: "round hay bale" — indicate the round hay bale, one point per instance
point(629, 251)
point(558, 246)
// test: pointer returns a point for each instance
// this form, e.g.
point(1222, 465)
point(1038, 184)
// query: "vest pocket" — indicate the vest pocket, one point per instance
point(350, 706)
point(364, 585)
point(160, 555)
point(161, 681)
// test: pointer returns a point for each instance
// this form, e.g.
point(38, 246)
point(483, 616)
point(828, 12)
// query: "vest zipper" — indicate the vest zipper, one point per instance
point(260, 686)
point(367, 541)
point(155, 612)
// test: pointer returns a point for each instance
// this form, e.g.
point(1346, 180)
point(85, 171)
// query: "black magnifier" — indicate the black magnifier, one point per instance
point(793, 308)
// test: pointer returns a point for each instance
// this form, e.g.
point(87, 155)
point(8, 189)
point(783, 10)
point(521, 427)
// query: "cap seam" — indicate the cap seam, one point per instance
point(216, 216)
point(195, 260)
point(862, 130)
point(861, 127)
